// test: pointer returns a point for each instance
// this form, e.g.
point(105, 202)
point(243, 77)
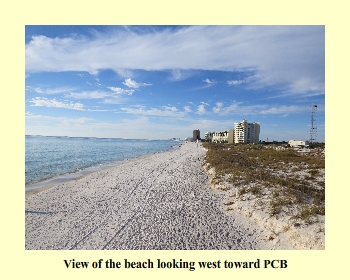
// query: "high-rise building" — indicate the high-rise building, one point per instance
point(196, 135)
point(247, 132)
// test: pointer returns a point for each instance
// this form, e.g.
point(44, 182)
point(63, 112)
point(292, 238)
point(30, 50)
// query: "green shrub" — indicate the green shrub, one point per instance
point(262, 166)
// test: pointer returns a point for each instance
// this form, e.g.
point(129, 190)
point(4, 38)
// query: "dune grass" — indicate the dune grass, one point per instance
point(280, 178)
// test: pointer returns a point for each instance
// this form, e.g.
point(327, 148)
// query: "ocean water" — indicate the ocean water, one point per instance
point(50, 157)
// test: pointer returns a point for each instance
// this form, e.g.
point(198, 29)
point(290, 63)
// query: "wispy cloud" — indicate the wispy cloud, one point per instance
point(106, 97)
point(283, 110)
point(237, 108)
point(143, 77)
point(235, 82)
point(133, 84)
point(59, 90)
point(44, 102)
point(42, 118)
point(201, 108)
point(289, 56)
point(209, 83)
point(187, 109)
point(180, 74)
point(165, 111)
point(119, 90)
point(218, 107)
point(88, 95)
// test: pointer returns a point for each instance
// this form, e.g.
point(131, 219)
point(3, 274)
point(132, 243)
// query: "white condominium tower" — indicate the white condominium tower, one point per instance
point(247, 132)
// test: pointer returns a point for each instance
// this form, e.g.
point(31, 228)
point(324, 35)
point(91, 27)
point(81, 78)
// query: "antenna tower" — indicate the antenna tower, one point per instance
point(313, 129)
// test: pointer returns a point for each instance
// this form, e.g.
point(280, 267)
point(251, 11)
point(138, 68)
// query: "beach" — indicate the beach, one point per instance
point(162, 201)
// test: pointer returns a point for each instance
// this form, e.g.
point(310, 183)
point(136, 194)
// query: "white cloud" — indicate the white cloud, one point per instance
point(289, 56)
point(88, 95)
point(179, 74)
point(115, 97)
point(50, 90)
point(124, 72)
point(44, 102)
point(235, 82)
point(237, 108)
point(113, 100)
point(170, 108)
point(201, 109)
point(118, 90)
point(187, 109)
point(285, 110)
point(218, 107)
point(166, 111)
point(209, 82)
point(97, 110)
point(234, 108)
point(133, 84)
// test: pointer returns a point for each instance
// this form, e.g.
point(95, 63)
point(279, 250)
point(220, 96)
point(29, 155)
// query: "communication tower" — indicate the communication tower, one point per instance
point(313, 129)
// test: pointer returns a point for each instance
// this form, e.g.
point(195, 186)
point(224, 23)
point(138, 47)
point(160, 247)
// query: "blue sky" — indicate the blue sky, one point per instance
point(159, 82)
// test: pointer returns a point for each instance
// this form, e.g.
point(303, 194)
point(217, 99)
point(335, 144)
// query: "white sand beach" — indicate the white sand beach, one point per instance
point(159, 202)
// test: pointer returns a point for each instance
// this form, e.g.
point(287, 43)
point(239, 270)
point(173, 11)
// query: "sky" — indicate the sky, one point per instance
point(160, 82)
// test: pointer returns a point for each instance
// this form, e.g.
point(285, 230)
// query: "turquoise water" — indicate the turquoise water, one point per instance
point(48, 157)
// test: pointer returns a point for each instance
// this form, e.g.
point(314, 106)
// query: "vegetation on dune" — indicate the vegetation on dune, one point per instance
point(280, 179)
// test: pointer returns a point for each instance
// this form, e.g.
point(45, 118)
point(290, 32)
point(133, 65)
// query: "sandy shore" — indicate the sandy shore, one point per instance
point(163, 201)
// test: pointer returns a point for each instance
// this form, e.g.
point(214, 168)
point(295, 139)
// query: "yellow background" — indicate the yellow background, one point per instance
point(19, 263)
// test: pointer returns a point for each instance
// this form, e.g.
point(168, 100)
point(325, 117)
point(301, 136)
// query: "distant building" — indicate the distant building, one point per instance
point(298, 143)
point(220, 137)
point(231, 136)
point(196, 135)
point(208, 136)
point(246, 132)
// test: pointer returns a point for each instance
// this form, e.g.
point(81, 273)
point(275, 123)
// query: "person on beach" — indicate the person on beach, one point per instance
point(197, 147)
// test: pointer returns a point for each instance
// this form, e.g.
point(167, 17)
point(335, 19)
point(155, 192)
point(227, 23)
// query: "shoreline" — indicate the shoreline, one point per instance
point(34, 188)
point(160, 202)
